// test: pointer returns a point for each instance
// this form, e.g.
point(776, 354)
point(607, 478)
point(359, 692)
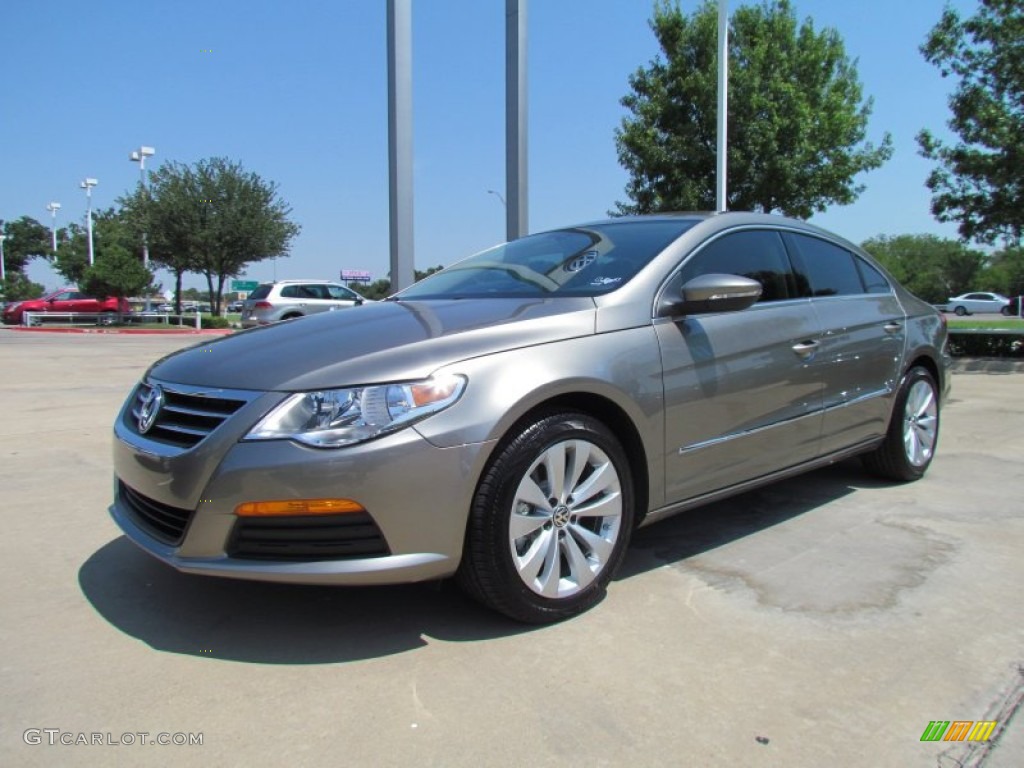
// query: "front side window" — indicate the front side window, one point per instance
point(341, 293)
point(581, 261)
point(756, 254)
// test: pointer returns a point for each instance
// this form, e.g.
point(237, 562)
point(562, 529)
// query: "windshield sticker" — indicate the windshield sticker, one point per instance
point(606, 280)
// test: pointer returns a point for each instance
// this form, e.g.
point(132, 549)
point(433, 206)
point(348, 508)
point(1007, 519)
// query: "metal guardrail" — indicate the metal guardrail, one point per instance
point(36, 319)
point(68, 318)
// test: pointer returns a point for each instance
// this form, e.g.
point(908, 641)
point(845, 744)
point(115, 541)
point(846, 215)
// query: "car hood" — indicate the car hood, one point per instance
point(386, 341)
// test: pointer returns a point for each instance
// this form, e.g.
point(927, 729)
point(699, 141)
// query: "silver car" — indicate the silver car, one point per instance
point(290, 299)
point(512, 419)
point(979, 301)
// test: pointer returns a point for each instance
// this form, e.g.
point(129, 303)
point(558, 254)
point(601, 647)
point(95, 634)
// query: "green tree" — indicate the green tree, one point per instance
point(1005, 273)
point(25, 239)
point(114, 239)
point(213, 218)
point(119, 273)
point(797, 117)
point(931, 267)
point(17, 287)
point(979, 181)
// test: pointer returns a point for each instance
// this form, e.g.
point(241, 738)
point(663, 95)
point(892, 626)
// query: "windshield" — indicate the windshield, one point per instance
point(580, 261)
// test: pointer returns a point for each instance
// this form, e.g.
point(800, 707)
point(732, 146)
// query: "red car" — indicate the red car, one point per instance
point(68, 300)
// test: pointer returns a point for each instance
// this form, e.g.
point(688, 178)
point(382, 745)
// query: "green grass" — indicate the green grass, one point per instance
point(1009, 323)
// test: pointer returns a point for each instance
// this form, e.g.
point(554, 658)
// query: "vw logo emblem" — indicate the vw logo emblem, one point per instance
point(150, 407)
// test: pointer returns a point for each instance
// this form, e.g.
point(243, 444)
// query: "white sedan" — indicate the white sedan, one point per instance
point(969, 303)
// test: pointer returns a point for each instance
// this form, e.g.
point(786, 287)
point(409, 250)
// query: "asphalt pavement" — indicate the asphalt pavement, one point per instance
point(828, 620)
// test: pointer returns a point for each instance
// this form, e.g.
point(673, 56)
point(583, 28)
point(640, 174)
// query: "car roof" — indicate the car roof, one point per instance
point(297, 280)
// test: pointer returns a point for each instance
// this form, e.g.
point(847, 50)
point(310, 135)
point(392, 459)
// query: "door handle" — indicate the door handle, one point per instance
point(893, 327)
point(805, 349)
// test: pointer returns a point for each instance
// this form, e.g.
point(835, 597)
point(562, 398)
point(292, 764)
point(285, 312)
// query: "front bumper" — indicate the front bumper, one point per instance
point(416, 494)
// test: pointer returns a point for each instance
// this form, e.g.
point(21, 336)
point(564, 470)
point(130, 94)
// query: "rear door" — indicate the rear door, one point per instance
point(742, 389)
point(863, 336)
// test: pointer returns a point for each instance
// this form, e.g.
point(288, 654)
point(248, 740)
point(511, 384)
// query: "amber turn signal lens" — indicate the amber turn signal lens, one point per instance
point(298, 507)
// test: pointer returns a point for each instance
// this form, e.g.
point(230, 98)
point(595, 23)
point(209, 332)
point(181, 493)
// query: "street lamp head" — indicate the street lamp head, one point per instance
point(53, 207)
point(87, 183)
point(134, 157)
point(147, 151)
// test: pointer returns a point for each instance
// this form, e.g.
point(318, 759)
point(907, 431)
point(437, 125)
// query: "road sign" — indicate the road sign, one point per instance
point(356, 276)
point(244, 285)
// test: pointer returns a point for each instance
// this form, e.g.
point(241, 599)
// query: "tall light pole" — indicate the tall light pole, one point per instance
point(139, 156)
point(516, 188)
point(3, 269)
point(87, 185)
point(53, 208)
point(400, 197)
point(721, 198)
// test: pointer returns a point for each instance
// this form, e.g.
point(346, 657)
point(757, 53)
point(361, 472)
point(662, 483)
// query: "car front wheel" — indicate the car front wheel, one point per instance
point(909, 444)
point(1005, 310)
point(550, 521)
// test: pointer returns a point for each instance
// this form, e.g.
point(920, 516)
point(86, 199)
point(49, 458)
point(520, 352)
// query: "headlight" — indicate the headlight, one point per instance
point(333, 418)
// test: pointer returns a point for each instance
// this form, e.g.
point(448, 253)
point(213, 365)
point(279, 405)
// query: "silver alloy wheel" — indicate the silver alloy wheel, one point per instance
point(566, 518)
point(920, 423)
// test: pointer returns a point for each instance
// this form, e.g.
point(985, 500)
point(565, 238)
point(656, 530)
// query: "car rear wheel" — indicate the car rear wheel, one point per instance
point(913, 430)
point(960, 311)
point(106, 318)
point(550, 521)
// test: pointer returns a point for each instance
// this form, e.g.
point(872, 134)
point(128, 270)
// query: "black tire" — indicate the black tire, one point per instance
point(558, 529)
point(960, 311)
point(913, 434)
point(1005, 311)
point(106, 318)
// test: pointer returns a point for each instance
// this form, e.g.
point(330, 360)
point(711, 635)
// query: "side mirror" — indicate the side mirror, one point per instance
point(716, 293)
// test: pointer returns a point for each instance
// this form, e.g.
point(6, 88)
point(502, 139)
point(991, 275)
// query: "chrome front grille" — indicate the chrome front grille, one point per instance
point(183, 417)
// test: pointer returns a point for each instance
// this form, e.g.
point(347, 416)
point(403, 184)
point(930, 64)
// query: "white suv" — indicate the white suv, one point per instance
point(288, 299)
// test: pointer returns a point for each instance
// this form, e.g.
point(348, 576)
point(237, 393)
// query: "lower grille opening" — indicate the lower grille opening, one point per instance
point(307, 538)
point(161, 521)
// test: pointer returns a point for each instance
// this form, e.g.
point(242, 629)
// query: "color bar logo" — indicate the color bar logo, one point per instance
point(958, 730)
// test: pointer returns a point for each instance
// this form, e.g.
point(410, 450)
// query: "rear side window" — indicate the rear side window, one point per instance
point(315, 291)
point(829, 269)
point(757, 254)
point(261, 291)
point(874, 281)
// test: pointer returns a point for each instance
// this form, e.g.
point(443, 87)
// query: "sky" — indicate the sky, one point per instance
point(297, 93)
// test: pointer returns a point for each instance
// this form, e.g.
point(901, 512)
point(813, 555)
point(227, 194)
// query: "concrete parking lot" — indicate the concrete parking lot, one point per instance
point(824, 621)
